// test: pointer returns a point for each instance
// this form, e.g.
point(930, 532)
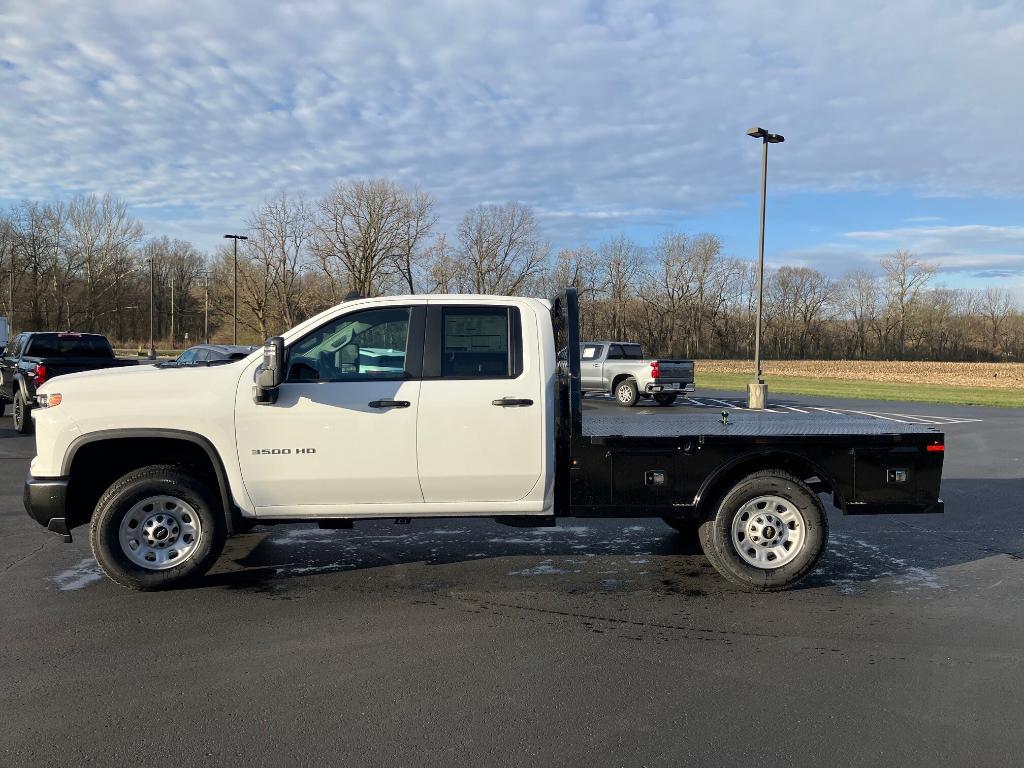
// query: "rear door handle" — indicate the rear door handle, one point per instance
point(389, 403)
point(512, 402)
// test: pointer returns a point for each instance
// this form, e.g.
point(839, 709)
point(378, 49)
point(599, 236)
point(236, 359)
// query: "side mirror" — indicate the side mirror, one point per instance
point(271, 371)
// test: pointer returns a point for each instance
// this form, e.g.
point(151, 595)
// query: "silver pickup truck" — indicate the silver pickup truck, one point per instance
point(619, 368)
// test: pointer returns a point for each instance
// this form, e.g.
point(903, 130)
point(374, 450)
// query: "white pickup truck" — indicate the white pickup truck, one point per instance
point(439, 406)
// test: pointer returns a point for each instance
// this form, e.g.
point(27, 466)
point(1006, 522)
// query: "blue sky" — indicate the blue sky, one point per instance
point(902, 120)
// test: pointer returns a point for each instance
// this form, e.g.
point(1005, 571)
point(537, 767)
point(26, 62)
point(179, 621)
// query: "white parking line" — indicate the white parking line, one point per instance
point(726, 404)
point(876, 416)
point(901, 418)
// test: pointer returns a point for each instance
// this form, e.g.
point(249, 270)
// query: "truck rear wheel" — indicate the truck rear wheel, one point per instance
point(157, 527)
point(768, 532)
point(626, 393)
point(21, 414)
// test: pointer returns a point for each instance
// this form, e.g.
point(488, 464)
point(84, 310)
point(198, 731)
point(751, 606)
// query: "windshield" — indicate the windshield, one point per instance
point(68, 345)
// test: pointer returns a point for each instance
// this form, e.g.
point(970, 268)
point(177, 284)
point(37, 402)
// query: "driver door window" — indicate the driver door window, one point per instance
point(365, 346)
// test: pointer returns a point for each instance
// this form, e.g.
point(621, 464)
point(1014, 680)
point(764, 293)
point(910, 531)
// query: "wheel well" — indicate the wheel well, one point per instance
point(719, 484)
point(96, 465)
point(618, 379)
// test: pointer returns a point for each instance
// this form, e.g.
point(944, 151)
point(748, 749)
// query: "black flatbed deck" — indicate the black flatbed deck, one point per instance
point(743, 424)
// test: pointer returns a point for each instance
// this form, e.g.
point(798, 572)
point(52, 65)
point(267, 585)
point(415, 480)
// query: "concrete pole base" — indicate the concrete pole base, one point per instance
point(757, 395)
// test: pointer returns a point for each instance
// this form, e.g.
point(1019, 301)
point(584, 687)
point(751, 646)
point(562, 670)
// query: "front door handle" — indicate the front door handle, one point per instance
point(389, 403)
point(512, 402)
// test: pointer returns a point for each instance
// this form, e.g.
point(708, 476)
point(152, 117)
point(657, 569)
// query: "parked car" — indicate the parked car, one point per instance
point(209, 354)
point(34, 358)
point(481, 420)
point(619, 368)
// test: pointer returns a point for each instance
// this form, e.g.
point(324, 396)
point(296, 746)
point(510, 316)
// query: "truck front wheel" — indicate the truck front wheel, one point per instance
point(768, 532)
point(626, 393)
point(21, 415)
point(157, 527)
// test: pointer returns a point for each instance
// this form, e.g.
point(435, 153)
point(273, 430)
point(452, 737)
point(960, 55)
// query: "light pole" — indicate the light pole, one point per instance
point(757, 390)
point(234, 290)
point(152, 294)
point(206, 307)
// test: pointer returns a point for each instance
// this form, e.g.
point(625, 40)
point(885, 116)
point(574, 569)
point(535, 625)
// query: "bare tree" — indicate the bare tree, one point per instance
point(858, 298)
point(579, 268)
point(906, 276)
point(500, 249)
point(101, 234)
point(621, 259)
point(280, 233)
point(996, 306)
point(363, 227)
point(411, 257)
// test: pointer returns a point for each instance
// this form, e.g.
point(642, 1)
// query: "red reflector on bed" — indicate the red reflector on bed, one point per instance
point(936, 449)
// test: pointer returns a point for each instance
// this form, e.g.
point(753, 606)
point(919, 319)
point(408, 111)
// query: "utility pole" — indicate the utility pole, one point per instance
point(10, 301)
point(206, 308)
point(757, 390)
point(172, 310)
point(152, 295)
point(234, 291)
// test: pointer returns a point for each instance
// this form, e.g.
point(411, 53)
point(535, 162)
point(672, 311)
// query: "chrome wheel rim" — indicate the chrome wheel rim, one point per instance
point(768, 532)
point(160, 532)
point(625, 393)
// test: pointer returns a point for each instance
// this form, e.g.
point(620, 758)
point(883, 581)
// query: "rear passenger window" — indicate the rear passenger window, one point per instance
point(591, 352)
point(478, 343)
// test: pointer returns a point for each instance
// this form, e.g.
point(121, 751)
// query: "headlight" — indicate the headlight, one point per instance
point(49, 399)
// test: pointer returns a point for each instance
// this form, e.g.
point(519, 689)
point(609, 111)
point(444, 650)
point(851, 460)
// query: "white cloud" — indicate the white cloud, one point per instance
point(972, 250)
point(595, 113)
point(979, 249)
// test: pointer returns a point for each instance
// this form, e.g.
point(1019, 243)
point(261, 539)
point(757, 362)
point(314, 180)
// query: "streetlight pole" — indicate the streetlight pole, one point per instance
point(234, 291)
point(757, 390)
point(152, 295)
point(206, 308)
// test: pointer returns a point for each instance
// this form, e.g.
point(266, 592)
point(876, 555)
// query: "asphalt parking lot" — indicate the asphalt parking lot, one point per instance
point(594, 643)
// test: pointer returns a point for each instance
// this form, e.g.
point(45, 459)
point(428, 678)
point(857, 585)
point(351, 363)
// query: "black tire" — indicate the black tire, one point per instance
point(3, 406)
point(22, 415)
point(136, 486)
point(716, 536)
point(687, 526)
point(663, 398)
point(626, 393)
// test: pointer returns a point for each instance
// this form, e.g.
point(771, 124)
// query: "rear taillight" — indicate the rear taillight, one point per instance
point(40, 373)
point(655, 369)
point(937, 448)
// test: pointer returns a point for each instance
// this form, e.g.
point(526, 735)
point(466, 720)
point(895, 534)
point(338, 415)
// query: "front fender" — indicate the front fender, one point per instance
point(21, 382)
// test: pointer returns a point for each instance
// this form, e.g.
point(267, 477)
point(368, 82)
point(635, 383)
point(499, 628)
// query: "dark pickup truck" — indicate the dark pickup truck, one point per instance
point(33, 358)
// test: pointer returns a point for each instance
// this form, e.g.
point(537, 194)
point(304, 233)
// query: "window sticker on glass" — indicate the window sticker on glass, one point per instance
point(475, 342)
point(589, 353)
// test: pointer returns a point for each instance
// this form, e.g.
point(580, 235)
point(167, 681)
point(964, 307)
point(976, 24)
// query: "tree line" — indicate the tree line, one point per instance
point(86, 264)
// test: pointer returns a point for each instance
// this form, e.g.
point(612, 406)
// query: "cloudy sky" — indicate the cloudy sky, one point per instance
point(903, 121)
